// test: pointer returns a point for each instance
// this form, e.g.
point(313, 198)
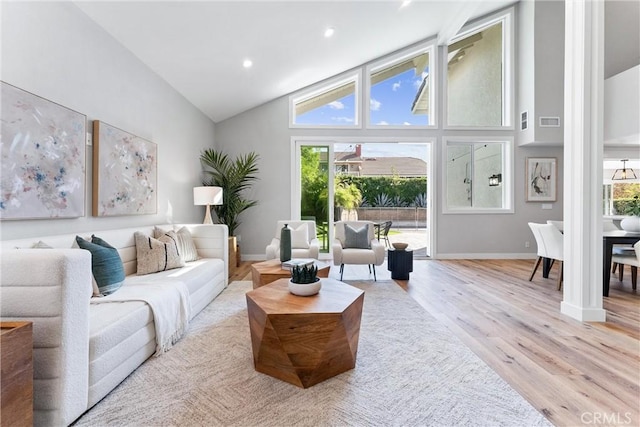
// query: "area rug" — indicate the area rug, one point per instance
point(410, 371)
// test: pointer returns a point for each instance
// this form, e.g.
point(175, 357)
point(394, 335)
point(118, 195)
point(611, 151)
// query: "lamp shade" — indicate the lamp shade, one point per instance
point(207, 195)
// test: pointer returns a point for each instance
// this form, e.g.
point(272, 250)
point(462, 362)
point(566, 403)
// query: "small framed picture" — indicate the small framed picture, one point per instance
point(541, 179)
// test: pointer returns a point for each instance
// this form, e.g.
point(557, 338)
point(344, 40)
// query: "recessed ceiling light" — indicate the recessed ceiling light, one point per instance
point(405, 3)
point(247, 63)
point(329, 32)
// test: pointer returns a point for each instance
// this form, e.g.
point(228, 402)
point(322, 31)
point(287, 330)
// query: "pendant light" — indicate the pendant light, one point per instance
point(624, 173)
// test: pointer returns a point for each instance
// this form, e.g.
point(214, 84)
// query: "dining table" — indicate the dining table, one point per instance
point(610, 238)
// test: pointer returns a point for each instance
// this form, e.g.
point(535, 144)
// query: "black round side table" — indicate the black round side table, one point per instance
point(400, 263)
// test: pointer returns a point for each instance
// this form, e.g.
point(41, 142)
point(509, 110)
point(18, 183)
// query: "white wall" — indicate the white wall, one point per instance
point(55, 51)
point(622, 107)
point(541, 70)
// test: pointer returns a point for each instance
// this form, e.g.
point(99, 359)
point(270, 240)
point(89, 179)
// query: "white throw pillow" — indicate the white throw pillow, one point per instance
point(186, 247)
point(299, 237)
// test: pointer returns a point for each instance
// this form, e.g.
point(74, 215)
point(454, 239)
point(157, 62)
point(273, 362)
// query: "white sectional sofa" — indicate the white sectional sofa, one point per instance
point(84, 350)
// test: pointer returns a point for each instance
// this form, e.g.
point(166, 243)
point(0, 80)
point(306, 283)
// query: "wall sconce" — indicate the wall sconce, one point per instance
point(624, 173)
point(207, 196)
point(495, 180)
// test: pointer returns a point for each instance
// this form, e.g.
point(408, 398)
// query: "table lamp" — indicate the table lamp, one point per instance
point(207, 196)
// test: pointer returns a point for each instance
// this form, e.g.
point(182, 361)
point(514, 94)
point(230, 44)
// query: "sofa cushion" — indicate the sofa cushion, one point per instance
point(106, 264)
point(155, 255)
point(356, 238)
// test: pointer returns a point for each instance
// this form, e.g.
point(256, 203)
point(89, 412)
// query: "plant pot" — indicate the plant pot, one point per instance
point(631, 223)
point(305, 289)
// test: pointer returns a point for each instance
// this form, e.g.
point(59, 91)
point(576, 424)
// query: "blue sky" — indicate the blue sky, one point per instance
point(390, 104)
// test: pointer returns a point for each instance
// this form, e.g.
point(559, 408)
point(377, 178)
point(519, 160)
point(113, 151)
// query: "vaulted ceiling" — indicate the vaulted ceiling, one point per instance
point(199, 47)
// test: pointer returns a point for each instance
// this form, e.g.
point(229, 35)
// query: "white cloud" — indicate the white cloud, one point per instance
point(342, 119)
point(336, 105)
point(375, 104)
point(406, 124)
point(396, 86)
point(382, 123)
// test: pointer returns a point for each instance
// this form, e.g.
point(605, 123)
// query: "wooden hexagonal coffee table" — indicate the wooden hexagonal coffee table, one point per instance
point(304, 340)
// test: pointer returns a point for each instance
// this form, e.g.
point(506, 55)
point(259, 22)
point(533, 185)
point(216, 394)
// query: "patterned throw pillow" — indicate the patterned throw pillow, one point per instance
point(157, 254)
point(356, 238)
point(299, 237)
point(186, 246)
point(106, 264)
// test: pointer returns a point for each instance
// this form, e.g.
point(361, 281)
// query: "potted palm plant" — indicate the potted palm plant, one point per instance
point(234, 176)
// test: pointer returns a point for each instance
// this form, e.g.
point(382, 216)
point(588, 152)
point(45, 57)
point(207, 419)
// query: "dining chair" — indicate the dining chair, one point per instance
point(559, 224)
point(550, 245)
point(386, 227)
point(632, 259)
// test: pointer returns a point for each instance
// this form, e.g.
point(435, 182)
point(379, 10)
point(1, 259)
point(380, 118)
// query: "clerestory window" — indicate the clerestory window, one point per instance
point(333, 104)
point(480, 74)
point(401, 89)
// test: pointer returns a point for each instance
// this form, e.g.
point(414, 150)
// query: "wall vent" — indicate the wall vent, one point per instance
point(524, 121)
point(549, 122)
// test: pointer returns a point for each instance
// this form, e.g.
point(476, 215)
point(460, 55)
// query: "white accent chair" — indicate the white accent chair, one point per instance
point(372, 256)
point(550, 245)
point(632, 259)
point(304, 240)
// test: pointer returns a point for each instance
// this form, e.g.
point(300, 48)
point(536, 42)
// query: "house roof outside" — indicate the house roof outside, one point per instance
point(406, 167)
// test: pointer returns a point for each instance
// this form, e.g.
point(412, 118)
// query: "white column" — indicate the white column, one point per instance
point(583, 152)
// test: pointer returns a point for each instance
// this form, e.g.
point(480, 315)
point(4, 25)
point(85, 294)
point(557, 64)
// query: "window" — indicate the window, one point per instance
point(618, 197)
point(333, 104)
point(401, 89)
point(478, 176)
point(480, 74)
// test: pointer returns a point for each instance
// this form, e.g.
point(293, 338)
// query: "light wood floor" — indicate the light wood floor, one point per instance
point(574, 373)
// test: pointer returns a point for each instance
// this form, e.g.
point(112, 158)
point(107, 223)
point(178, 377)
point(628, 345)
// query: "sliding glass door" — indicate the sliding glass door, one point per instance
point(382, 182)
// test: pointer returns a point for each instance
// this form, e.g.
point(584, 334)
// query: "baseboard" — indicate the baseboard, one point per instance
point(261, 257)
point(487, 256)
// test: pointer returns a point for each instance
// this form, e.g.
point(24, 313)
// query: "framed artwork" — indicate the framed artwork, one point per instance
point(125, 171)
point(43, 157)
point(542, 179)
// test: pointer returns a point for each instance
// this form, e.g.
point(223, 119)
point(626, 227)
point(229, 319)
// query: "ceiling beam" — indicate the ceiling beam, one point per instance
point(465, 11)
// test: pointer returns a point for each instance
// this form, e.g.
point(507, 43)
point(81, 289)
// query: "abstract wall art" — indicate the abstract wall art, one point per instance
point(124, 172)
point(43, 157)
point(542, 179)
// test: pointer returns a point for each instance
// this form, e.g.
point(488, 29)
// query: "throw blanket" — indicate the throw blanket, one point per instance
point(169, 302)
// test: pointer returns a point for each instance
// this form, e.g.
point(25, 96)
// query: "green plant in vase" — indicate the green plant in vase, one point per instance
point(304, 280)
point(235, 176)
point(305, 274)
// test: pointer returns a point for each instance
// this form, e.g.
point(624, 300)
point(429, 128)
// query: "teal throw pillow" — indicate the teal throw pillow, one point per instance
point(356, 238)
point(106, 264)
